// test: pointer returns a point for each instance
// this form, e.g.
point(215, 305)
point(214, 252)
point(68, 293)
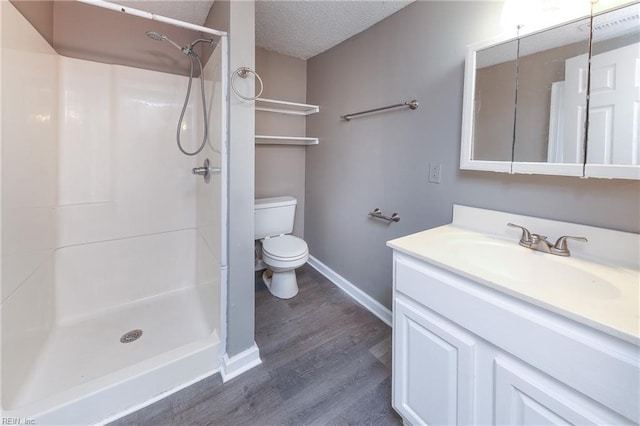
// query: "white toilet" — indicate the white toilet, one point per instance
point(281, 253)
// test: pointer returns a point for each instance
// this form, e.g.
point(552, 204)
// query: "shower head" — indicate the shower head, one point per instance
point(159, 37)
point(154, 35)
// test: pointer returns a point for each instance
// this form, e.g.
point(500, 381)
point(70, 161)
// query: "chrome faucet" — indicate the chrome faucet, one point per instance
point(540, 243)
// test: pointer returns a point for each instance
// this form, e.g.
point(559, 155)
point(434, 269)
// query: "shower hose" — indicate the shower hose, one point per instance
point(193, 55)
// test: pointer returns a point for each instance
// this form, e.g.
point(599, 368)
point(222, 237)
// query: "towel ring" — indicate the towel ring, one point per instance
point(243, 72)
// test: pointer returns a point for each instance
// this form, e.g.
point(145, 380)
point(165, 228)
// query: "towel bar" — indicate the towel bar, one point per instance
point(377, 214)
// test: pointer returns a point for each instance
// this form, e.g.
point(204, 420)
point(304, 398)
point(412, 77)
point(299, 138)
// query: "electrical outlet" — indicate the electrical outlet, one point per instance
point(434, 172)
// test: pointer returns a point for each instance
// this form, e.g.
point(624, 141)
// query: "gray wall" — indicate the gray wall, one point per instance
point(382, 160)
point(280, 169)
point(237, 17)
point(494, 111)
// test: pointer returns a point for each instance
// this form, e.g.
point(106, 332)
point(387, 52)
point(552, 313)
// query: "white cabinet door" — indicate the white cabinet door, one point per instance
point(526, 396)
point(433, 368)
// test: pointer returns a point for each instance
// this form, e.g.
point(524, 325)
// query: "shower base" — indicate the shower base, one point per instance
point(84, 374)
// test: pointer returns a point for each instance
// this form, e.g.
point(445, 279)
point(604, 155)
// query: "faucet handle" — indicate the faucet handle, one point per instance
point(536, 238)
point(561, 248)
point(525, 238)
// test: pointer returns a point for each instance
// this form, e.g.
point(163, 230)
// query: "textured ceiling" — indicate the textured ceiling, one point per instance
point(305, 28)
point(298, 28)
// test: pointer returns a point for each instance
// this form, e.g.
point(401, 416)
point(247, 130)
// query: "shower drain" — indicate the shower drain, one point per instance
point(131, 336)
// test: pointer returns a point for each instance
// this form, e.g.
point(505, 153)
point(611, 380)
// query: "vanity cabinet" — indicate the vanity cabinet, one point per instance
point(465, 353)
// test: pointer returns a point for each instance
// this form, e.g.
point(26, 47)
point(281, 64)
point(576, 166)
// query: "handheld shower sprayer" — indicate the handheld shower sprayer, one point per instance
point(193, 56)
point(159, 37)
point(156, 36)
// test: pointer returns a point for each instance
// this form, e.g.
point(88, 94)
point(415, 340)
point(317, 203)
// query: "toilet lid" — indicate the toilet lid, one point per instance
point(284, 246)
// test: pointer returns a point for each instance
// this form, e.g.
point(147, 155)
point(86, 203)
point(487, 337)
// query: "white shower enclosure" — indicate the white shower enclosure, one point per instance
point(105, 230)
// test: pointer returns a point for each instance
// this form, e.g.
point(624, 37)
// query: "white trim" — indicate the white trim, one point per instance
point(539, 168)
point(224, 149)
point(155, 399)
point(612, 171)
point(466, 144)
point(372, 305)
point(224, 200)
point(240, 363)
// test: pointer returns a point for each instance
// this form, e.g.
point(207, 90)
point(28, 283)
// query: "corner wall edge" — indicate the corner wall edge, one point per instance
point(240, 363)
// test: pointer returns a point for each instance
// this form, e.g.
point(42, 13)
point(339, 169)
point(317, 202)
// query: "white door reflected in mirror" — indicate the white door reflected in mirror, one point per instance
point(614, 107)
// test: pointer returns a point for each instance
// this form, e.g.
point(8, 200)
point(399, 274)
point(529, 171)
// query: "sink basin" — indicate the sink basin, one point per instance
point(524, 267)
point(599, 285)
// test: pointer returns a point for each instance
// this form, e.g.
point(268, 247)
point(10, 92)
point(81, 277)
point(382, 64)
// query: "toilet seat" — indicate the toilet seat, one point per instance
point(284, 248)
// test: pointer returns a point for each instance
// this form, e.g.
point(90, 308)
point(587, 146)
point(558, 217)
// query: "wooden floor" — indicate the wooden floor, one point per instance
point(326, 360)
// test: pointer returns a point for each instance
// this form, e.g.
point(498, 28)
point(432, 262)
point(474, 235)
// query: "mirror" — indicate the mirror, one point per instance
point(566, 117)
point(614, 102)
point(552, 95)
point(495, 94)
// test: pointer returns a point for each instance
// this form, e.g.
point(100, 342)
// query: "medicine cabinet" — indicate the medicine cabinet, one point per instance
point(560, 101)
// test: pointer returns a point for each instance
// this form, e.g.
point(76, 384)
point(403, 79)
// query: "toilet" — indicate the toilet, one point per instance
point(282, 254)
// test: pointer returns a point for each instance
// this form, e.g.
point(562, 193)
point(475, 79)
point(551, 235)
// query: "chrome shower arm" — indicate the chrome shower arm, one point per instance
point(189, 47)
point(202, 40)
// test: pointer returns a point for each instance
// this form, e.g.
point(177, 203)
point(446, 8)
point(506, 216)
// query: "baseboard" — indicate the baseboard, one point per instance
point(155, 399)
point(372, 305)
point(238, 364)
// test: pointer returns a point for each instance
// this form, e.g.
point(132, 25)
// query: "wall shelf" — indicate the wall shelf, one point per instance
point(284, 107)
point(285, 140)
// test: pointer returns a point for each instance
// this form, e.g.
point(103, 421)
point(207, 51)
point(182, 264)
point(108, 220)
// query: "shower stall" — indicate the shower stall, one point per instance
point(113, 252)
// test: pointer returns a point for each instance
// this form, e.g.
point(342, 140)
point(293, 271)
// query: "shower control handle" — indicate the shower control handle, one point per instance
point(205, 171)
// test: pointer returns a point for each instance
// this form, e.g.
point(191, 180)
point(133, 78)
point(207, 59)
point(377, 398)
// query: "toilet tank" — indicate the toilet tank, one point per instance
point(274, 216)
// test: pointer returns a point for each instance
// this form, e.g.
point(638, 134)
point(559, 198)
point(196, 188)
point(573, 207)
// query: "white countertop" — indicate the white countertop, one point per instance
point(598, 293)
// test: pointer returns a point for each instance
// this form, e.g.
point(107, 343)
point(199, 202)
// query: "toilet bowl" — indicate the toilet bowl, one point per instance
point(283, 255)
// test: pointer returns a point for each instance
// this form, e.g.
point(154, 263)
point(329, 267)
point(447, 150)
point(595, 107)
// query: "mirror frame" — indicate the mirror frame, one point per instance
point(466, 147)
point(615, 171)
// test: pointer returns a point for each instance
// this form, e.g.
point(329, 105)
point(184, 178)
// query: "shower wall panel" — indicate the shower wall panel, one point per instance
point(28, 186)
point(123, 174)
point(93, 278)
point(100, 210)
point(211, 206)
point(127, 196)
